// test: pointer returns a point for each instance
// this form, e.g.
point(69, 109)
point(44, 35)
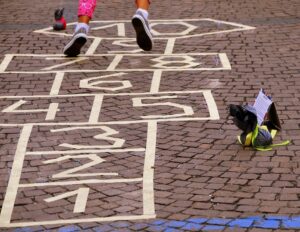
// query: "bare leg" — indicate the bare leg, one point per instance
point(84, 19)
point(143, 4)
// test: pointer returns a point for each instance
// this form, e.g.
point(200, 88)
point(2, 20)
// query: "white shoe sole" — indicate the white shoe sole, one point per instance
point(74, 46)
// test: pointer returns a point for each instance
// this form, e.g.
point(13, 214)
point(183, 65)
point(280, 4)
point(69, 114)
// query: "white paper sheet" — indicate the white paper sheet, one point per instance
point(261, 105)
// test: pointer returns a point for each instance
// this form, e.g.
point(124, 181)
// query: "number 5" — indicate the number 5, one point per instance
point(137, 102)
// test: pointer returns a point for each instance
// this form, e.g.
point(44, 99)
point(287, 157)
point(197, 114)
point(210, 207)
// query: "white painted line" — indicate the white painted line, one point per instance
point(154, 20)
point(208, 33)
point(212, 106)
point(106, 94)
point(53, 108)
point(114, 63)
point(230, 23)
point(120, 28)
point(156, 81)
point(93, 47)
point(79, 182)
point(183, 119)
point(170, 46)
point(5, 62)
point(13, 183)
point(123, 54)
point(83, 151)
point(14, 106)
point(66, 63)
point(189, 28)
point(225, 62)
point(148, 175)
point(59, 58)
point(57, 83)
point(96, 108)
point(116, 70)
point(84, 220)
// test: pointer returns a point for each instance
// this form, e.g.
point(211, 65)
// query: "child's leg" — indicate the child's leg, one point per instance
point(143, 4)
point(141, 25)
point(85, 13)
point(86, 9)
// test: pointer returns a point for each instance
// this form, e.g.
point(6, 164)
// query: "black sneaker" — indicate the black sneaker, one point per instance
point(142, 29)
point(78, 40)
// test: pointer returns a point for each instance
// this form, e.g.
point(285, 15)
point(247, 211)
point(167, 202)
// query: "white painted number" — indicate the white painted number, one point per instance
point(51, 111)
point(96, 82)
point(137, 102)
point(175, 62)
point(117, 142)
point(81, 199)
point(95, 159)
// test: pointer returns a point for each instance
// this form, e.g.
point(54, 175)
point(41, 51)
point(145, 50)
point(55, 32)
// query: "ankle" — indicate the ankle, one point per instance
point(82, 25)
point(143, 12)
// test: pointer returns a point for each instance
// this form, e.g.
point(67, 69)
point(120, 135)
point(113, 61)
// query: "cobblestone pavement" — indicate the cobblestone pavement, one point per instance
point(123, 140)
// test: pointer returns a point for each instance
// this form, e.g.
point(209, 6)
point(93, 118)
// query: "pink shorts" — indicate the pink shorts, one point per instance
point(87, 7)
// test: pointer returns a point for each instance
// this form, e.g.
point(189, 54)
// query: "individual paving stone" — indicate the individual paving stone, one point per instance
point(120, 224)
point(258, 230)
point(139, 226)
point(103, 228)
point(172, 230)
point(175, 224)
point(156, 228)
point(192, 227)
point(268, 224)
point(69, 229)
point(197, 220)
point(24, 229)
point(159, 222)
point(218, 221)
point(212, 228)
point(241, 223)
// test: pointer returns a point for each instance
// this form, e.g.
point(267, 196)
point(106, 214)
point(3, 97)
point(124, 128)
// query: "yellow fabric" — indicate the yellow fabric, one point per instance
point(250, 137)
point(273, 133)
point(248, 140)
